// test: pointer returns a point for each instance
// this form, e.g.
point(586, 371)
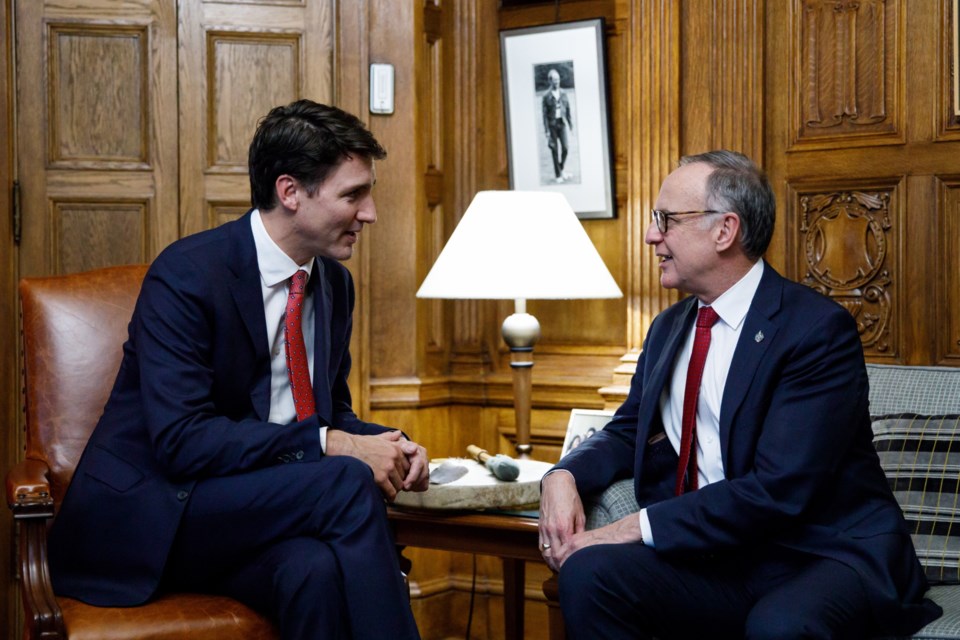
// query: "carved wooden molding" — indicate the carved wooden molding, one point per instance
point(845, 238)
point(492, 390)
point(849, 74)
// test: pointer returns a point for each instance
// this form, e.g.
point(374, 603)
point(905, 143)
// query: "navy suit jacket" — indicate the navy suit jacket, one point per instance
point(191, 401)
point(796, 443)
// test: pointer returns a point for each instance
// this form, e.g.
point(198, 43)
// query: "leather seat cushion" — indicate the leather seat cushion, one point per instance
point(170, 617)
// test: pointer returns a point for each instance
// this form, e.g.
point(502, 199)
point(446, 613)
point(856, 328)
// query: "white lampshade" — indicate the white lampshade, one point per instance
point(519, 245)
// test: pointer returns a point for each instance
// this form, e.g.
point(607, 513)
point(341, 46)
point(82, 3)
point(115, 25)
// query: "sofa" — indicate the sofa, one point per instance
point(917, 434)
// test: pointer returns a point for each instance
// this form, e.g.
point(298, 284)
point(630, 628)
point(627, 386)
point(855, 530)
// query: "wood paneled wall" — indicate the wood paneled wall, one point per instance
point(848, 105)
point(859, 152)
point(862, 141)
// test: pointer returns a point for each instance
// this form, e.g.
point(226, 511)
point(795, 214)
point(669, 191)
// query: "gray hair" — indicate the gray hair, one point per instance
point(737, 184)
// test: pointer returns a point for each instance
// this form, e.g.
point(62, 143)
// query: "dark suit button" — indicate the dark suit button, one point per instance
point(182, 495)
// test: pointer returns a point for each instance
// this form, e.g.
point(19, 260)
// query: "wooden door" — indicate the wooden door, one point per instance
point(96, 132)
point(237, 61)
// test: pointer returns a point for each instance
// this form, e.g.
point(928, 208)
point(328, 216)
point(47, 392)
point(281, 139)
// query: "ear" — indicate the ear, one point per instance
point(288, 193)
point(728, 232)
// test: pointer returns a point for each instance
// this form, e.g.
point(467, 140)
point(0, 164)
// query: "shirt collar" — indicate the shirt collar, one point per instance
point(275, 265)
point(733, 304)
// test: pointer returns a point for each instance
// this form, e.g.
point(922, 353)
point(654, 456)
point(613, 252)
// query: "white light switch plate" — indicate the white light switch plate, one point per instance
point(381, 88)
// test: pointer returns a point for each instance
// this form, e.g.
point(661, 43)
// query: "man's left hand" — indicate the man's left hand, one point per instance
point(625, 530)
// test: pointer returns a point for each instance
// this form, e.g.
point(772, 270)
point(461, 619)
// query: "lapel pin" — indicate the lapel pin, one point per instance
point(758, 337)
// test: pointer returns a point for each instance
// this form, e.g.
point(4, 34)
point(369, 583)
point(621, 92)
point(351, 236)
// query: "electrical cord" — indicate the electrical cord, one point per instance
point(473, 593)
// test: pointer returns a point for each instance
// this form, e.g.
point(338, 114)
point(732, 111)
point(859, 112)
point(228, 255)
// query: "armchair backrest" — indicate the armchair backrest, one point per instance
point(74, 327)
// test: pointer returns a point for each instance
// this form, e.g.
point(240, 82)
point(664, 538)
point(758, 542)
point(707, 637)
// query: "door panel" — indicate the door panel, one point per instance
point(237, 61)
point(96, 134)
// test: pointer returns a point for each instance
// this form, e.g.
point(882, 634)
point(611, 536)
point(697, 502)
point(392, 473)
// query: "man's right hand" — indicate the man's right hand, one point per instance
point(383, 453)
point(561, 516)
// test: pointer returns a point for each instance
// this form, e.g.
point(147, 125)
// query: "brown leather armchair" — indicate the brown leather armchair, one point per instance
point(73, 329)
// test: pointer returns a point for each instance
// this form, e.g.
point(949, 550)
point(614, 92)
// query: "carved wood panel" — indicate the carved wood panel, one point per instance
point(947, 326)
point(848, 72)
point(847, 247)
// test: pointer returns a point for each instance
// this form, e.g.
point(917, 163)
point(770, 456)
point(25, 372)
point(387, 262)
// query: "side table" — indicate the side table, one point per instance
point(514, 539)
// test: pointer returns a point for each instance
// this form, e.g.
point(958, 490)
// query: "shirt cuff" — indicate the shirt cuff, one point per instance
point(645, 529)
point(323, 439)
point(554, 471)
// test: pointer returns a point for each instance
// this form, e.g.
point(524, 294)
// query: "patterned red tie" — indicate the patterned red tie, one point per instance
point(687, 467)
point(297, 366)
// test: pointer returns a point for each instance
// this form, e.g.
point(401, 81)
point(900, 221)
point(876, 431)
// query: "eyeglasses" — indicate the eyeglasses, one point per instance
point(662, 217)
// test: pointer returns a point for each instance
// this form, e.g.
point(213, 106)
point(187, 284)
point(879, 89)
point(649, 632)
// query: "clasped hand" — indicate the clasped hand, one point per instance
point(398, 464)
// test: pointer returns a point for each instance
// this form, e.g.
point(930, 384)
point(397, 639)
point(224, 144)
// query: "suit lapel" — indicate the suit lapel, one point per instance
point(660, 374)
point(248, 297)
point(758, 333)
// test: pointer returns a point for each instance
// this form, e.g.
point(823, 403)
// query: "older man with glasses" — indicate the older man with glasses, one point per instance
point(764, 510)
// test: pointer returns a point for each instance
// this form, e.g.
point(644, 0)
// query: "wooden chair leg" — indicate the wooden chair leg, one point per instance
point(551, 589)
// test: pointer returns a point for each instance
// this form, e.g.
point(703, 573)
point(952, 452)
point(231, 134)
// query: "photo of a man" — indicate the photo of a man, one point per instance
point(555, 92)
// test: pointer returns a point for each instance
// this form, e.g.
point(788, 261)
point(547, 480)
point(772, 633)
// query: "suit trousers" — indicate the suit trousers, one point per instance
point(559, 146)
point(306, 543)
point(630, 591)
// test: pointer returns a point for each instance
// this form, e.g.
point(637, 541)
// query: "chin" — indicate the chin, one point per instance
point(668, 282)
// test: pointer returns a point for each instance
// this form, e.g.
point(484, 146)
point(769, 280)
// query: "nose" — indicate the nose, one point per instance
point(653, 235)
point(368, 211)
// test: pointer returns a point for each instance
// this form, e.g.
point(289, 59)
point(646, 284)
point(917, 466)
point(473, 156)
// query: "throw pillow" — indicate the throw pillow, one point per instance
point(920, 456)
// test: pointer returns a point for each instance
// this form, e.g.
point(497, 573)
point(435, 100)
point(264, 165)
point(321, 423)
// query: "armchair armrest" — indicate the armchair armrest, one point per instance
point(29, 498)
point(616, 502)
point(28, 490)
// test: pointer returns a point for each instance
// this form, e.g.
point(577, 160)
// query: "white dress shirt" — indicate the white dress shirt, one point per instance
point(276, 269)
point(732, 307)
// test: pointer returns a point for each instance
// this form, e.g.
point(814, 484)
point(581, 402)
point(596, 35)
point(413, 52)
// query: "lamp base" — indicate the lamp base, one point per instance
point(521, 331)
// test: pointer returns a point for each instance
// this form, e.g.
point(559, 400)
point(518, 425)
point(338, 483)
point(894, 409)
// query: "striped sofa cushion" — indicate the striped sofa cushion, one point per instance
point(920, 456)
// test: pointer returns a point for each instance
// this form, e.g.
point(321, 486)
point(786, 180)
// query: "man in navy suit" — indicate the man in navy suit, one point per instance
point(200, 475)
point(780, 524)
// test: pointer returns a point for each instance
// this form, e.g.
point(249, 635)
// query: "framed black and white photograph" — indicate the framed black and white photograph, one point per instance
point(555, 99)
point(583, 424)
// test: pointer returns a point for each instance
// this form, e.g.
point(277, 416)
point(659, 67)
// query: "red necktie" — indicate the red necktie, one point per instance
point(706, 318)
point(297, 366)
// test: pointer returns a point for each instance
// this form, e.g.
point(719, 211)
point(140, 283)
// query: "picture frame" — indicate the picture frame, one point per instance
point(583, 423)
point(557, 119)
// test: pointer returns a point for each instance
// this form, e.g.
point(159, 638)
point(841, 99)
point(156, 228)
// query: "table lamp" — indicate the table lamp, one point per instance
point(519, 245)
